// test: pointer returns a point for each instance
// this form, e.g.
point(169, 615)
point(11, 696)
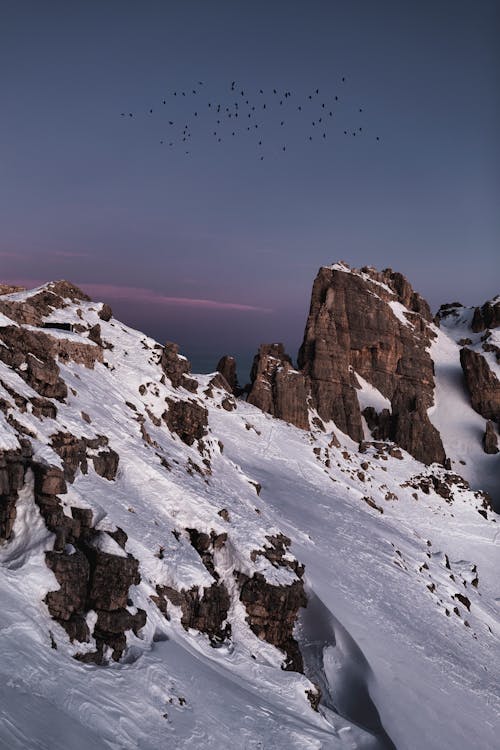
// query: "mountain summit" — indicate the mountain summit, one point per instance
point(305, 563)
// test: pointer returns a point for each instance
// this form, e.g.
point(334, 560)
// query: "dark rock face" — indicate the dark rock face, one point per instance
point(188, 419)
point(272, 609)
point(482, 383)
point(205, 545)
point(75, 452)
point(272, 613)
point(176, 367)
point(29, 354)
point(72, 572)
point(227, 367)
point(487, 316)
point(122, 571)
point(32, 354)
point(206, 613)
point(490, 440)
point(105, 313)
point(13, 465)
point(106, 463)
point(277, 388)
point(351, 327)
point(88, 578)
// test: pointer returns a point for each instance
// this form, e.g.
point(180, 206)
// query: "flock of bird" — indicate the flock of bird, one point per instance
point(254, 113)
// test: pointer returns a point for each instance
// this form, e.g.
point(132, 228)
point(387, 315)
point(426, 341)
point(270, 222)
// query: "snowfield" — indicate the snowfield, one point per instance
point(401, 661)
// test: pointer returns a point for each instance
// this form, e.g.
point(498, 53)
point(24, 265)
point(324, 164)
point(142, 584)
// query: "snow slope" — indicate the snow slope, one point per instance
point(384, 560)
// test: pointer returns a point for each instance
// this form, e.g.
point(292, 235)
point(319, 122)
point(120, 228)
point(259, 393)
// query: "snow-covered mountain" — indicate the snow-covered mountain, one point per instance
point(310, 562)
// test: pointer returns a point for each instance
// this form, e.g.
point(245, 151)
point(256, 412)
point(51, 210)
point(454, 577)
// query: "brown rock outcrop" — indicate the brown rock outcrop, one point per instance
point(487, 316)
point(75, 452)
point(106, 463)
point(13, 465)
point(105, 313)
point(72, 572)
point(51, 297)
point(188, 419)
point(490, 440)
point(9, 289)
point(111, 579)
point(277, 387)
point(33, 355)
point(483, 385)
point(206, 613)
point(272, 612)
point(227, 367)
point(177, 367)
point(352, 328)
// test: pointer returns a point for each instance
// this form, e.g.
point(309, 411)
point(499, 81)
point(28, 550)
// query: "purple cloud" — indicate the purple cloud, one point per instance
point(140, 294)
point(68, 254)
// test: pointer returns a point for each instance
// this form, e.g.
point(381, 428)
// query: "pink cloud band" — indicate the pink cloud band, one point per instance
point(105, 292)
point(140, 294)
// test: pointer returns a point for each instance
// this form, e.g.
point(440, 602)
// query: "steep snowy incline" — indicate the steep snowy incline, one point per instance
point(461, 427)
point(156, 527)
point(200, 665)
point(390, 578)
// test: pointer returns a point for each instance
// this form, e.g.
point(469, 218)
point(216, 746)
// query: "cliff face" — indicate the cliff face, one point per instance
point(375, 325)
point(366, 323)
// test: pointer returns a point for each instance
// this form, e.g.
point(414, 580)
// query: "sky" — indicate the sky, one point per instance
point(217, 248)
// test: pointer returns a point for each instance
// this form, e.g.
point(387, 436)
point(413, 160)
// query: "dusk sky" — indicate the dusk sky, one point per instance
point(217, 249)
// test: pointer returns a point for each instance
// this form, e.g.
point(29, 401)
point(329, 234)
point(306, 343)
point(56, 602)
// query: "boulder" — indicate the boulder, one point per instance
point(490, 440)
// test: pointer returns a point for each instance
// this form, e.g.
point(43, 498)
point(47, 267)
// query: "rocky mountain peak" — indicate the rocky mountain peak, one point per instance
point(233, 565)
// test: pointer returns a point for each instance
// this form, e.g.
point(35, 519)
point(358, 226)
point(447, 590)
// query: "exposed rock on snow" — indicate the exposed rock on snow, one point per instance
point(487, 316)
point(13, 464)
point(490, 440)
point(176, 367)
point(277, 387)
point(482, 383)
point(226, 366)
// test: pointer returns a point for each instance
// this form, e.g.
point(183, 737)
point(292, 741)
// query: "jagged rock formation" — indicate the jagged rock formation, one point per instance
point(206, 613)
point(272, 613)
point(88, 578)
point(354, 327)
point(277, 387)
point(188, 419)
point(487, 316)
point(177, 367)
point(482, 383)
point(272, 610)
point(13, 464)
point(227, 368)
point(364, 322)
